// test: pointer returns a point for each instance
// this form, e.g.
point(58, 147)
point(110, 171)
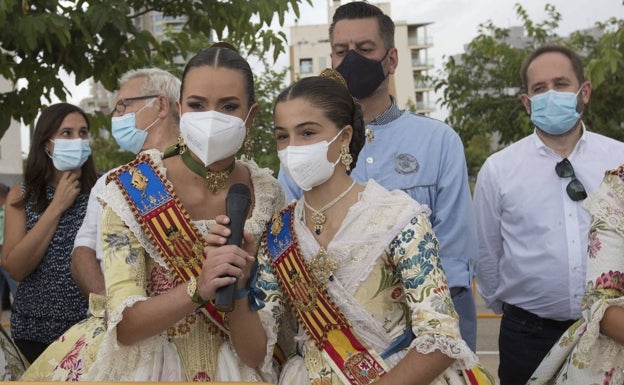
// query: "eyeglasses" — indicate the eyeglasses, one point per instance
point(120, 106)
point(576, 190)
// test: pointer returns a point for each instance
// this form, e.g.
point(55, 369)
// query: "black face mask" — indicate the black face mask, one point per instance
point(363, 75)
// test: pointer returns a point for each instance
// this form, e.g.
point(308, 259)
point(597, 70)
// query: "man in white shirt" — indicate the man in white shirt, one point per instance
point(532, 229)
point(144, 117)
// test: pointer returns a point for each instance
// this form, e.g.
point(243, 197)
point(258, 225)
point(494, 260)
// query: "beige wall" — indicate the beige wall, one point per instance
point(10, 148)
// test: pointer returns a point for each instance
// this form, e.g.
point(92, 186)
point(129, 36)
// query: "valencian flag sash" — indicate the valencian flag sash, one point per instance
point(167, 224)
point(348, 355)
point(322, 319)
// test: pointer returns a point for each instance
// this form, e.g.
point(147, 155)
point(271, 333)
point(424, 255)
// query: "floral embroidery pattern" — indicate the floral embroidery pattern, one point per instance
point(69, 360)
point(611, 280)
point(10, 361)
point(594, 244)
point(119, 241)
point(72, 363)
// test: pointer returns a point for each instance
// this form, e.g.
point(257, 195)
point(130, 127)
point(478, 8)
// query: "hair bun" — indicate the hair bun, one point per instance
point(335, 75)
point(223, 44)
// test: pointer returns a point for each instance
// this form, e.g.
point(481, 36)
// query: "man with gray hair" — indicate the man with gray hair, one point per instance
point(144, 117)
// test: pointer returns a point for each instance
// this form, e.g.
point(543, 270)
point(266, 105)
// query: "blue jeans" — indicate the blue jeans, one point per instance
point(464, 303)
point(523, 342)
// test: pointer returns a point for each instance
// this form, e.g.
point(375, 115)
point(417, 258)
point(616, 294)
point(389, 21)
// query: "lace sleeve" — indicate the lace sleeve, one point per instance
point(434, 320)
point(125, 277)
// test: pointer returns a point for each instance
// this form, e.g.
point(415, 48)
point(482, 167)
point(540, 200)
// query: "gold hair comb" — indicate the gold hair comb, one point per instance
point(335, 75)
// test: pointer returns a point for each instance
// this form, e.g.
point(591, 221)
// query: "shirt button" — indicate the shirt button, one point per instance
point(369, 160)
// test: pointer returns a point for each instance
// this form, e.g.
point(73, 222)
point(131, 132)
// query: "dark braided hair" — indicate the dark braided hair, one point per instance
point(223, 55)
point(329, 93)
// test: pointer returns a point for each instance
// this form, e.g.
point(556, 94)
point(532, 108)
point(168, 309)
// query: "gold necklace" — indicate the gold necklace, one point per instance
point(215, 180)
point(318, 216)
point(323, 266)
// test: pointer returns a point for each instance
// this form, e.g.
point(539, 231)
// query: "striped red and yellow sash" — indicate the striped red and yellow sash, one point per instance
point(320, 316)
point(167, 224)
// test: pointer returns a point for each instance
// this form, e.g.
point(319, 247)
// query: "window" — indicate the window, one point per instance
point(305, 66)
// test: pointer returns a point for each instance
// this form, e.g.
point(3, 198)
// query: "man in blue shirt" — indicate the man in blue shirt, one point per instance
point(419, 155)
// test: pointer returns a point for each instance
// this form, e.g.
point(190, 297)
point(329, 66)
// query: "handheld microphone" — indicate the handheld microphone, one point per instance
point(237, 205)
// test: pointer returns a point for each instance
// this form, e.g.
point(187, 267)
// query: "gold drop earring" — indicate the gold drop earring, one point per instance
point(345, 157)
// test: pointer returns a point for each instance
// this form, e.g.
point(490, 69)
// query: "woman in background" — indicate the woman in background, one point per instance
point(43, 215)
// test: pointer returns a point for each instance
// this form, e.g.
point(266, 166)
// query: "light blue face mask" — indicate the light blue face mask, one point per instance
point(126, 133)
point(555, 112)
point(70, 154)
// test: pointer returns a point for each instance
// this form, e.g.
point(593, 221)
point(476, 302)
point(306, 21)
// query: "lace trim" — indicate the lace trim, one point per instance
point(268, 199)
point(601, 351)
point(603, 202)
point(117, 362)
point(452, 347)
point(267, 368)
point(357, 255)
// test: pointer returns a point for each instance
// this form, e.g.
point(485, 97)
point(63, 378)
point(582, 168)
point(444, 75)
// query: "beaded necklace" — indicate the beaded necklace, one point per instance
point(318, 216)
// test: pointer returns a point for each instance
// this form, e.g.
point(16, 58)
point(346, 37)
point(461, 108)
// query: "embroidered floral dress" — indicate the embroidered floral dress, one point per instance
point(583, 355)
point(134, 270)
point(388, 278)
point(12, 363)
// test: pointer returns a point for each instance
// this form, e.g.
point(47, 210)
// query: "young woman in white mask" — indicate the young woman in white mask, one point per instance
point(357, 264)
point(43, 215)
point(162, 324)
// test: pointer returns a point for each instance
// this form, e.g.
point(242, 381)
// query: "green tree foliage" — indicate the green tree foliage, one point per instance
point(481, 88)
point(107, 154)
point(100, 40)
point(268, 86)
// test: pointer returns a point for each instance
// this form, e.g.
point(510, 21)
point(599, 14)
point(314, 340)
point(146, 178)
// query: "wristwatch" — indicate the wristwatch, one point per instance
point(192, 291)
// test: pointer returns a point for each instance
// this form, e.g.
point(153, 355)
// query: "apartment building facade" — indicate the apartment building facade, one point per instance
point(309, 53)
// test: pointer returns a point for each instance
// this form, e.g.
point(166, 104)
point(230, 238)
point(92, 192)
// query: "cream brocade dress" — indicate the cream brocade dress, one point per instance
point(134, 271)
point(388, 278)
point(583, 355)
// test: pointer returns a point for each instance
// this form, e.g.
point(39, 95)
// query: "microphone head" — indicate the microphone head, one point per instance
point(239, 189)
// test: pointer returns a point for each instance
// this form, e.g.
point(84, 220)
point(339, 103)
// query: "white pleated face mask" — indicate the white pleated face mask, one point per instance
point(212, 135)
point(307, 165)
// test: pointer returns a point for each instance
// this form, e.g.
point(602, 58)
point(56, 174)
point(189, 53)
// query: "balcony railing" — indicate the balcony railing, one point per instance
point(418, 62)
point(420, 40)
point(425, 106)
point(419, 84)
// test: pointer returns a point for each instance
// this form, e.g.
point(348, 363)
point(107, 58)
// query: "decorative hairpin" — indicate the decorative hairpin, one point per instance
point(333, 74)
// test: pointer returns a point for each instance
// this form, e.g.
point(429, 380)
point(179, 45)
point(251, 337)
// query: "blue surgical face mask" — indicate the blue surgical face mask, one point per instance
point(70, 154)
point(126, 133)
point(555, 112)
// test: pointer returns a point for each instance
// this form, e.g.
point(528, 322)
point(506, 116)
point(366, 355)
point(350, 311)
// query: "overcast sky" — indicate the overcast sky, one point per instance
point(455, 22)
